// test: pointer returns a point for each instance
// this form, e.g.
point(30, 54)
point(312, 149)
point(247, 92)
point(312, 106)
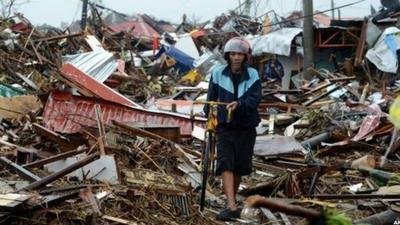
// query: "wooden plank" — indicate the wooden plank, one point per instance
point(88, 197)
point(311, 101)
point(285, 219)
point(103, 169)
point(27, 80)
point(51, 135)
point(11, 200)
point(18, 106)
point(19, 169)
point(46, 180)
point(272, 220)
point(52, 200)
point(50, 159)
point(118, 220)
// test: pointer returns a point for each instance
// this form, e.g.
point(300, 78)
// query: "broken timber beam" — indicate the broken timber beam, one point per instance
point(285, 106)
point(53, 200)
point(276, 205)
point(180, 151)
point(144, 133)
point(38, 56)
point(58, 37)
point(51, 135)
point(311, 101)
point(48, 191)
point(118, 220)
point(279, 91)
point(139, 131)
point(343, 79)
point(46, 180)
point(19, 169)
point(270, 168)
point(32, 54)
point(54, 158)
point(356, 196)
point(322, 86)
point(18, 148)
point(27, 81)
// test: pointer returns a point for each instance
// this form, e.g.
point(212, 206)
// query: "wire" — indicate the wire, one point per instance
point(78, 6)
point(320, 12)
point(286, 21)
point(295, 6)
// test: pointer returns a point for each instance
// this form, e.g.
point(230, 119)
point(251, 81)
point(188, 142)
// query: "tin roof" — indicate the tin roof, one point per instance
point(66, 113)
point(138, 28)
point(92, 87)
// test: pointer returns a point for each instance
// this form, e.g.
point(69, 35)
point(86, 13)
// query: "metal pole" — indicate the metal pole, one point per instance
point(308, 38)
point(333, 8)
point(84, 14)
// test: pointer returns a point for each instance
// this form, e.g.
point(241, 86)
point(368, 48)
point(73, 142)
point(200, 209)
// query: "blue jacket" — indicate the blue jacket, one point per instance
point(249, 96)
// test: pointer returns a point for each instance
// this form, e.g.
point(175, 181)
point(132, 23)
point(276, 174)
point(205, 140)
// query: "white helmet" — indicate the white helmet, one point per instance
point(237, 44)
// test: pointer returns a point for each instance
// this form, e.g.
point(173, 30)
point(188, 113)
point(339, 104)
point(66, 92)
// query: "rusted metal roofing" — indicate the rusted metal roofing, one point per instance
point(138, 28)
point(90, 85)
point(66, 113)
point(21, 27)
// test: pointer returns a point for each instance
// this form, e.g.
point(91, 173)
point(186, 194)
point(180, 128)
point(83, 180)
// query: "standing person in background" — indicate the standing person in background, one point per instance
point(273, 70)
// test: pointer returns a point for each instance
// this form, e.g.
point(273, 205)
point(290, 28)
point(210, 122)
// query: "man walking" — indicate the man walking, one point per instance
point(238, 85)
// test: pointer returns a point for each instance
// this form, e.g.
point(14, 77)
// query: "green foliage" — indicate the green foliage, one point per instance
point(334, 217)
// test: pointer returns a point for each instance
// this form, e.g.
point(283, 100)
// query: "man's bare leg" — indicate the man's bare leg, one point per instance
point(228, 179)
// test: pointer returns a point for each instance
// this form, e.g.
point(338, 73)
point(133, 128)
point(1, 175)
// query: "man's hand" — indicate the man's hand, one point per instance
point(232, 106)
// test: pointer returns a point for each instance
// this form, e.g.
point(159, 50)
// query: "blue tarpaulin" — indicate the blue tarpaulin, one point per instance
point(183, 61)
point(391, 43)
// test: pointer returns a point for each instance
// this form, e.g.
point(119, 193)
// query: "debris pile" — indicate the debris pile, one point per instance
point(104, 126)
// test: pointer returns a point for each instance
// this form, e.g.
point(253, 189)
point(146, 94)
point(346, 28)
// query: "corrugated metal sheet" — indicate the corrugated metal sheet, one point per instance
point(89, 84)
point(99, 64)
point(277, 42)
point(66, 113)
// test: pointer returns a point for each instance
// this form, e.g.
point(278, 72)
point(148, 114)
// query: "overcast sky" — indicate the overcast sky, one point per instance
point(54, 12)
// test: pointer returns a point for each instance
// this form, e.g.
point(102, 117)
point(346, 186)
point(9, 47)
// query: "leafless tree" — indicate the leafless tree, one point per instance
point(7, 7)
